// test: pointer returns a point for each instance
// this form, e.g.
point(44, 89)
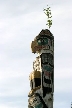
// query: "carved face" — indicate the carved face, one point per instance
point(41, 43)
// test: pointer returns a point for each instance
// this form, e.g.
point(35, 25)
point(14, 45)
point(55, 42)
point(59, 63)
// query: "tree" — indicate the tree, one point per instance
point(47, 11)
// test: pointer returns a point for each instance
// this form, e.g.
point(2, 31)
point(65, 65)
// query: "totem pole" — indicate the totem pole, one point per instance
point(42, 76)
point(71, 104)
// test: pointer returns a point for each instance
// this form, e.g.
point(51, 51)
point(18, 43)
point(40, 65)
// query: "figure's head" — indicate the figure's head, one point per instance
point(41, 41)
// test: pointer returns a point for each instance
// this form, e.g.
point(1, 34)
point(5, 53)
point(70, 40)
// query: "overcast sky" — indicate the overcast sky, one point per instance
point(20, 22)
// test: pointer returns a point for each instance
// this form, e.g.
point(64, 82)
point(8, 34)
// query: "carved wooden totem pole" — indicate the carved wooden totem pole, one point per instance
point(42, 76)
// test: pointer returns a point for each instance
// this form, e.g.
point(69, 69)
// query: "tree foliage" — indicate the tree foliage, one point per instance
point(47, 11)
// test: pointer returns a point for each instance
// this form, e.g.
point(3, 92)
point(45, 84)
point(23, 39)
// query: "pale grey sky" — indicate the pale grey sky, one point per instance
point(20, 22)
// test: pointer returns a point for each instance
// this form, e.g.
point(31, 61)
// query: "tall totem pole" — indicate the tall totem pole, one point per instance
point(42, 76)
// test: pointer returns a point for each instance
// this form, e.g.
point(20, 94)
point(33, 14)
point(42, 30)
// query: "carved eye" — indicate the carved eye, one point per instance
point(44, 41)
point(39, 42)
